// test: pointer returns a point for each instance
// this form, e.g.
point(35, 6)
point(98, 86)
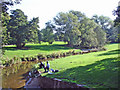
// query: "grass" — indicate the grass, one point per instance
point(96, 69)
point(34, 49)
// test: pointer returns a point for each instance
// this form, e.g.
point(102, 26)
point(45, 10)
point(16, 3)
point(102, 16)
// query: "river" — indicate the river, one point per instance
point(14, 76)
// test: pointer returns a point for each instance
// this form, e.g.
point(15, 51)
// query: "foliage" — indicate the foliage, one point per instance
point(117, 13)
point(47, 33)
point(68, 24)
point(6, 3)
point(33, 30)
point(108, 26)
point(5, 34)
point(78, 30)
point(17, 27)
point(20, 29)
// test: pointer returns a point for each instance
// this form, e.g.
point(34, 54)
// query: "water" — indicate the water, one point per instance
point(14, 76)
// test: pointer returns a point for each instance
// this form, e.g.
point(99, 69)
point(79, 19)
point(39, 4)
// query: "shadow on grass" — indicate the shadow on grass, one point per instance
point(101, 74)
point(49, 47)
point(53, 47)
point(117, 51)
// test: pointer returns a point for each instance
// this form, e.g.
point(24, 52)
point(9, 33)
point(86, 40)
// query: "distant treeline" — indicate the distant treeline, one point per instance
point(73, 27)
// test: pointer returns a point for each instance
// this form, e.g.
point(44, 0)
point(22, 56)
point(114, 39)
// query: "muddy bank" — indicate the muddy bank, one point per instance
point(45, 82)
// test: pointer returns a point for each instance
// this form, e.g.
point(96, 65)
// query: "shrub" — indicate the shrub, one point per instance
point(61, 54)
point(58, 55)
point(64, 54)
point(49, 56)
point(40, 56)
point(67, 53)
point(35, 57)
point(4, 61)
point(102, 49)
point(27, 58)
point(53, 55)
point(23, 58)
point(44, 56)
point(16, 59)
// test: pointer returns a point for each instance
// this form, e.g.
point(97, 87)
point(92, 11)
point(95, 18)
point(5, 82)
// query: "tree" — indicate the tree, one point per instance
point(114, 34)
point(106, 24)
point(6, 3)
point(20, 29)
point(116, 24)
point(92, 35)
point(100, 36)
point(79, 30)
point(4, 16)
point(47, 33)
point(68, 24)
point(117, 13)
point(33, 30)
point(5, 34)
point(39, 36)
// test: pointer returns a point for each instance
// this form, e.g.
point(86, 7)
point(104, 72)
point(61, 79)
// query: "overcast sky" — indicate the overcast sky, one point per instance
point(47, 9)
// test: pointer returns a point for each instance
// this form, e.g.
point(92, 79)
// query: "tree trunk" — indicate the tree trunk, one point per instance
point(20, 45)
point(23, 44)
point(69, 44)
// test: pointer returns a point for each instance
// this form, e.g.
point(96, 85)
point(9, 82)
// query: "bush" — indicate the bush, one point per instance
point(23, 58)
point(16, 59)
point(40, 56)
point(68, 53)
point(64, 54)
point(49, 56)
point(102, 49)
point(4, 61)
point(58, 55)
point(61, 54)
point(53, 55)
point(44, 56)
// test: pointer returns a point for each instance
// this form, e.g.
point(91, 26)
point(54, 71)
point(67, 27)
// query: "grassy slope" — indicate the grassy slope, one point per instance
point(34, 49)
point(97, 69)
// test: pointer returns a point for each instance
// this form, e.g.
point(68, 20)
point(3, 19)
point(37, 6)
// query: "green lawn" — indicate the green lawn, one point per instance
point(96, 69)
point(34, 49)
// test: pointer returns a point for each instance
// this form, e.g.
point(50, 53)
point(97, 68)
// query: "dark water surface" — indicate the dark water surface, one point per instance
point(13, 77)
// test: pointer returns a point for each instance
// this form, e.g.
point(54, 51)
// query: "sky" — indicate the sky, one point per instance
point(47, 9)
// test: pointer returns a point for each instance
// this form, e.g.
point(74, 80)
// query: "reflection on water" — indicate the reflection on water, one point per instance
point(12, 77)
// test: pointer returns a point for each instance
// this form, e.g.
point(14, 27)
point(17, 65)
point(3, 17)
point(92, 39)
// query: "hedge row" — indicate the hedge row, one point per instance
point(40, 56)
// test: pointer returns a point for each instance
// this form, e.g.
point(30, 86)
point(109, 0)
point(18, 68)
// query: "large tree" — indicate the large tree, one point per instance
point(47, 33)
point(107, 25)
point(117, 13)
point(117, 24)
point(69, 25)
point(79, 30)
point(21, 30)
point(33, 30)
point(4, 16)
point(92, 35)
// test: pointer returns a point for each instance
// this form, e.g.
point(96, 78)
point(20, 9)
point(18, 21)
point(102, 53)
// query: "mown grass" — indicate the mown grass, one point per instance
point(34, 49)
point(96, 69)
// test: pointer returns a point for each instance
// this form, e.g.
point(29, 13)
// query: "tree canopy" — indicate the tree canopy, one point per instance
point(78, 30)
point(117, 13)
point(47, 34)
point(21, 30)
point(108, 26)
